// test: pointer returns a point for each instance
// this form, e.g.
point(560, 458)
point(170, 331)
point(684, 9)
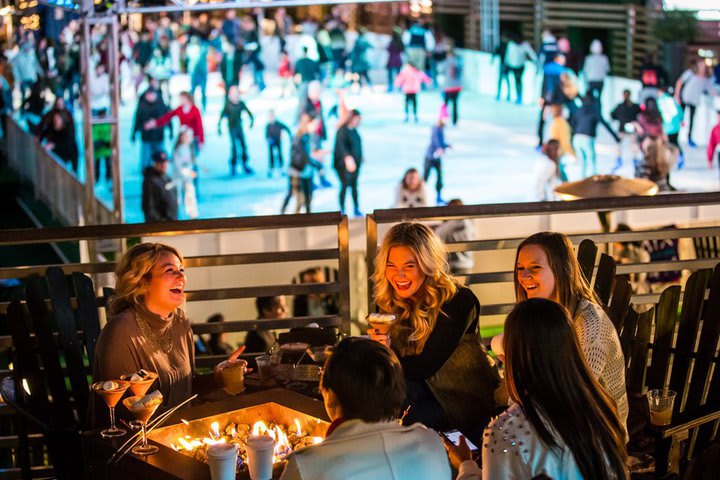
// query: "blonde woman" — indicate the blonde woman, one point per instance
point(450, 382)
point(147, 328)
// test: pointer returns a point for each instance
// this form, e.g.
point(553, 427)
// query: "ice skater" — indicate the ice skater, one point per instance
point(348, 158)
point(273, 136)
point(233, 111)
point(410, 80)
point(434, 153)
point(185, 172)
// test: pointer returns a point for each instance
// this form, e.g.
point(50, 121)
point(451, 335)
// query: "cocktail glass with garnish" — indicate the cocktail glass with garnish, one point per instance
point(111, 392)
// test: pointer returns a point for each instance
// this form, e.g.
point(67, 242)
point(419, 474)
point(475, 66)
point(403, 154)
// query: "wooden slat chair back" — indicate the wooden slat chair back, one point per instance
point(707, 247)
point(620, 302)
point(45, 329)
point(70, 341)
point(57, 419)
point(26, 373)
point(677, 364)
point(586, 255)
point(604, 278)
point(704, 388)
point(637, 350)
point(88, 317)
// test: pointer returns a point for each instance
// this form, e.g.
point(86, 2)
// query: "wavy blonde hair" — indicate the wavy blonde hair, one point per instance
point(133, 272)
point(415, 318)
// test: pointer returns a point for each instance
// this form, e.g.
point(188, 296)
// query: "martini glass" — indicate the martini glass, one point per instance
point(142, 413)
point(381, 322)
point(139, 388)
point(111, 398)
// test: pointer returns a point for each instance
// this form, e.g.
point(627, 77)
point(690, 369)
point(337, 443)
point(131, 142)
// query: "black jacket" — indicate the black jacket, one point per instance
point(273, 132)
point(159, 197)
point(446, 335)
point(308, 69)
point(625, 113)
point(65, 146)
point(148, 111)
point(586, 120)
point(347, 142)
point(230, 75)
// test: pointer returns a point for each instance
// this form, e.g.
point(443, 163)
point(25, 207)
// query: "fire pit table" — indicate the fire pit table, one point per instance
point(295, 419)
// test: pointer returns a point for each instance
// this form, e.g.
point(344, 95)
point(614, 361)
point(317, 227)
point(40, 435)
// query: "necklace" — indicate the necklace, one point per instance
point(164, 343)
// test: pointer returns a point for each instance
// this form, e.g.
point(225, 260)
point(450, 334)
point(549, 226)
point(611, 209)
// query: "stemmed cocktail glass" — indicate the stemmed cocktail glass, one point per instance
point(142, 411)
point(111, 392)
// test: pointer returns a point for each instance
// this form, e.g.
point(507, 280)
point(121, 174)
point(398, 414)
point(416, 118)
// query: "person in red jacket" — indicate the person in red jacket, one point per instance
point(189, 116)
point(713, 142)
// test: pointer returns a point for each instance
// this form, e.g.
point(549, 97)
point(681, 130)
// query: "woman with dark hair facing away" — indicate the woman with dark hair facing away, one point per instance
point(451, 379)
point(562, 423)
point(546, 267)
point(363, 389)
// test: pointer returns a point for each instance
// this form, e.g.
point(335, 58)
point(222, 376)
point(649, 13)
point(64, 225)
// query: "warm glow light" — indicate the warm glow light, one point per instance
point(299, 430)
point(215, 427)
point(259, 428)
point(185, 421)
point(25, 385)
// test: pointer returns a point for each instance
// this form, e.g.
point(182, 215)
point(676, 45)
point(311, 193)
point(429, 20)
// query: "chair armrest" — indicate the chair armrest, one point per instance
point(686, 421)
point(7, 389)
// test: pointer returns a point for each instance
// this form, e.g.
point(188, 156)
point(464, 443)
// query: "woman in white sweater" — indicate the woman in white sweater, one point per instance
point(562, 424)
point(546, 267)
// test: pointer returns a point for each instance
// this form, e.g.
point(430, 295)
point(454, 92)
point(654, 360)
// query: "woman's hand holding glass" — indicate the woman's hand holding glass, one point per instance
point(376, 335)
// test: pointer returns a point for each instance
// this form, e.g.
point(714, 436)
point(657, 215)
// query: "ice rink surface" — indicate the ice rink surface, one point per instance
point(492, 160)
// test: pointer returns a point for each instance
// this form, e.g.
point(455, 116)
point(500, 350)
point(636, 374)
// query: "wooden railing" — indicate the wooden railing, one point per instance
point(494, 282)
point(53, 183)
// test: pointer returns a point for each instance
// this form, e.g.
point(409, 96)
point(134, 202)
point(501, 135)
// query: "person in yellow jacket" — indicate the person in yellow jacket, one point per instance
point(560, 131)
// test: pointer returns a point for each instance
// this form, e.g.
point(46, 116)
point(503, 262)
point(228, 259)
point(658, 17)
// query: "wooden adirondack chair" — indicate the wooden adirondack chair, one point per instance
point(586, 255)
point(679, 366)
point(58, 337)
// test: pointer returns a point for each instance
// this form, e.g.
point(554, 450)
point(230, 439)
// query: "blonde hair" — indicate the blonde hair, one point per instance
point(570, 283)
point(133, 271)
point(415, 318)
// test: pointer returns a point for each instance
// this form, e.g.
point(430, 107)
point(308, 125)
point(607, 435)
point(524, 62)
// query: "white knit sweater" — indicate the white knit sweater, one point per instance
point(601, 345)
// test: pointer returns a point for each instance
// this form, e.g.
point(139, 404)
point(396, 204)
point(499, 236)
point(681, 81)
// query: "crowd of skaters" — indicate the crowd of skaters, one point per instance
point(326, 59)
point(651, 124)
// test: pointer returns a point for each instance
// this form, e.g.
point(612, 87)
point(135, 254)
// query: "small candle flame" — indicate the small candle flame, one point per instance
point(185, 421)
point(299, 430)
point(215, 427)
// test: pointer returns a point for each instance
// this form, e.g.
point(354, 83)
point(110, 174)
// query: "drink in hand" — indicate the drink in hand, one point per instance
point(382, 322)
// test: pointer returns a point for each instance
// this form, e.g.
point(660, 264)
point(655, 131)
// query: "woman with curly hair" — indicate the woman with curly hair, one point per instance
point(450, 379)
point(147, 328)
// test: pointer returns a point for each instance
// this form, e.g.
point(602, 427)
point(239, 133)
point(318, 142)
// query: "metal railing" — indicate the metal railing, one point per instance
point(240, 290)
point(495, 277)
point(53, 183)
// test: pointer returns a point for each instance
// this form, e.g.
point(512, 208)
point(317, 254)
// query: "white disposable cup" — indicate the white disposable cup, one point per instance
point(260, 456)
point(222, 459)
